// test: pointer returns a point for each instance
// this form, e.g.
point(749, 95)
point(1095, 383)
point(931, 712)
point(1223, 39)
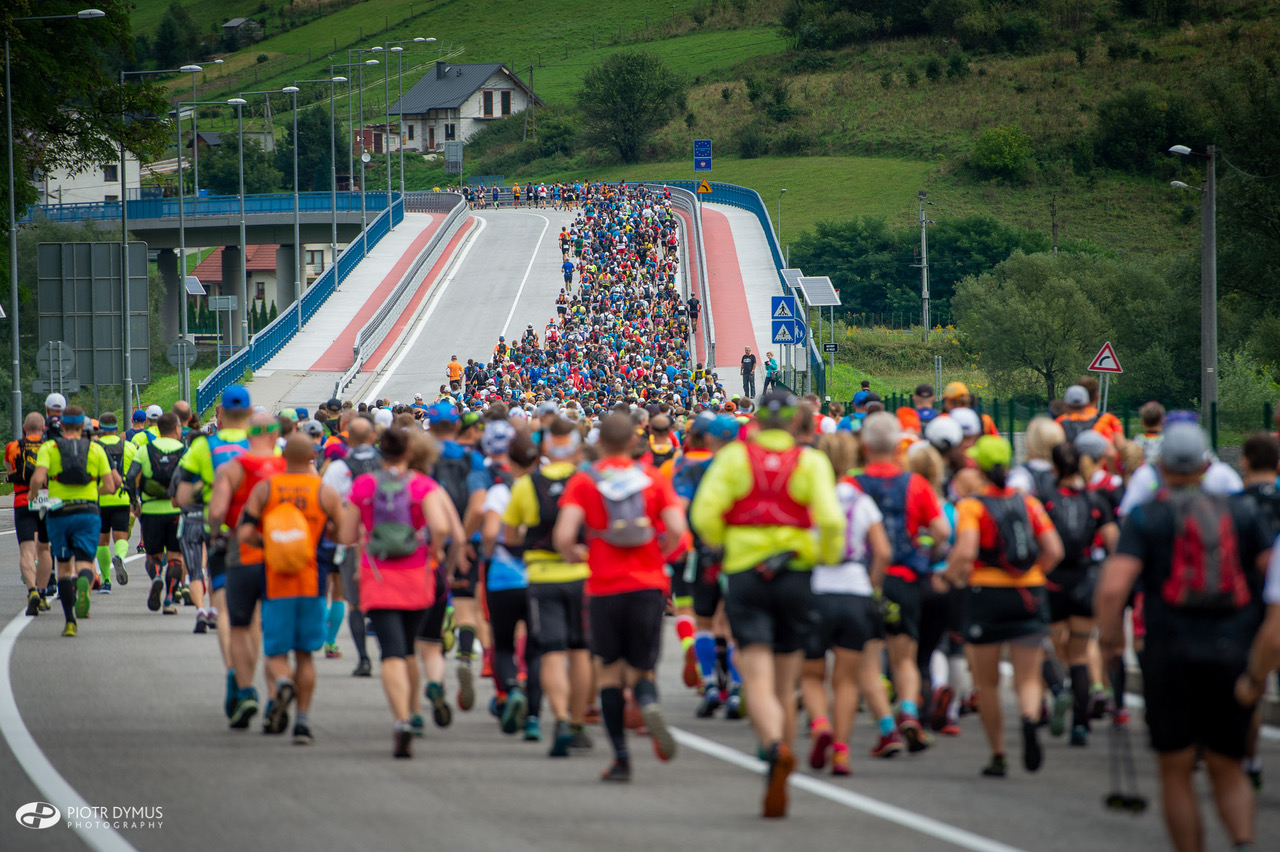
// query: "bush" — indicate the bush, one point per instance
point(262, 57)
point(957, 66)
point(726, 94)
point(1003, 151)
point(690, 120)
point(1024, 32)
point(1137, 125)
point(1121, 47)
point(933, 69)
point(913, 77)
point(752, 142)
point(886, 80)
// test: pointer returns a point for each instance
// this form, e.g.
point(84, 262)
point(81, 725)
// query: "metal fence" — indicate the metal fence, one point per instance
point(212, 205)
point(688, 202)
point(266, 343)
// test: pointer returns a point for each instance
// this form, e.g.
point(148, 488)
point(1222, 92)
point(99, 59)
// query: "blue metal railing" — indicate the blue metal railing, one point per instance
point(266, 343)
point(214, 205)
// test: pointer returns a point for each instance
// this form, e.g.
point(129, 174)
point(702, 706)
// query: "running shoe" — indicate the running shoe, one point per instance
point(840, 761)
point(211, 619)
point(118, 571)
point(1120, 718)
point(142, 548)
point(593, 715)
point(97, 581)
point(45, 606)
point(105, 588)
point(1032, 756)
point(514, 711)
point(232, 693)
point(185, 593)
point(486, 669)
point(1079, 735)
point(942, 698)
point(619, 770)
point(820, 734)
point(245, 709)
point(202, 624)
point(401, 740)
point(70, 629)
point(331, 651)
point(951, 729)
point(1099, 704)
point(496, 703)
point(997, 768)
point(581, 739)
point(33, 603)
point(781, 764)
point(277, 716)
point(302, 735)
point(466, 687)
point(692, 674)
point(970, 704)
point(631, 718)
point(82, 597)
point(169, 608)
point(664, 744)
point(51, 591)
point(418, 725)
point(562, 740)
point(532, 730)
point(888, 745)
point(913, 734)
point(364, 668)
point(735, 708)
point(709, 703)
point(441, 712)
point(157, 591)
point(1058, 718)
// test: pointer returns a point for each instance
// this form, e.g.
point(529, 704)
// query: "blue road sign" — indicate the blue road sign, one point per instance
point(784, 331)
point(802, 332)
point(782, 307)
point(702, 155)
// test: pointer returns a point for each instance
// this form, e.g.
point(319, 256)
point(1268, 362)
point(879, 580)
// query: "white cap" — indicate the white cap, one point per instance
point(383, 417)
point(970, 423)
point(1076, 396)
point(944, 432)
point(154, 412)
point(417, 396)
point(55, 402)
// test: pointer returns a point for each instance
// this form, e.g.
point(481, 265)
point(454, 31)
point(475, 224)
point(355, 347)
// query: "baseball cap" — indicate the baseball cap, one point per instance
point(1092, 444)
point(139, 416)
point(55, 402)
point(383, 417)
point(234, 398)
point(548, 407)
point(471, 418)
point(442, 412)
point(924, 390)
point(314, 428)
point(723, 427)
point(1184, 449)
point(955, 390)
point(497, 437)
point(775, 401)
point(944, 433)
point(417, 397)
point(989, 451)
point(970, 424)
point(303, 414)
point(700, 424)
point(334, 404)
point(1076, 397)
point(289, 414)
point(860, 398)
point(154, 412)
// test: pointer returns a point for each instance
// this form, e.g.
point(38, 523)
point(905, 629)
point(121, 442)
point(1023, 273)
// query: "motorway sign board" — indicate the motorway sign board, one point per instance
point(1106, 361)
point(702, 155)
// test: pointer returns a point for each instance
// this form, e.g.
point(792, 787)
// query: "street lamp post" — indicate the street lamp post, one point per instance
point(1208, 275)
point(193, 70)
point(300, 272)
point(14, 329)
point(333, 164)
point(400, 96)
point(333, 174)
point(239, 104)
point(364, 158)
point(781, 193)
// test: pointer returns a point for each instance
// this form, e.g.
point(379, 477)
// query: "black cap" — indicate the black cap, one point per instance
point(334, 404)
point(776, 400)
point(925, 390)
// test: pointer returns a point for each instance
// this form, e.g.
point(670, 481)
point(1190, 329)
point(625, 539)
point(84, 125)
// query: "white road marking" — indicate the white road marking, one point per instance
point(435, 297)
point(858, 802)
point(546, 223)
point(56, 789)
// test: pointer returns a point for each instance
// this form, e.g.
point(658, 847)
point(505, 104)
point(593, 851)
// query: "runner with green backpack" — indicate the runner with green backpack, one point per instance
point(113, 542)
point(151, 476)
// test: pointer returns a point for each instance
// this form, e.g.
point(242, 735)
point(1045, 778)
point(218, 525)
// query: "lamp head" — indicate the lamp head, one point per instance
point(237, 101)
point(372, 62)
point(397, 50)
point(1177, 184)
point(375, 49)
point(291, 90)
point(90, 14)
point(190, 69)
point(217, 62)
point(1180, 149)
point(339, 80)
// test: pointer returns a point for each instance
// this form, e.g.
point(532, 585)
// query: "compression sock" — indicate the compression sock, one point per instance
point(122, 547)
point(301, 717)
point(522, 668)
point(611, 704)
point(533, 689)
point(722, 660)
point(153, 567)
point(704, 648)
point(1051, 671)
point(504, 670)
point(67, 597)
point(685, 631)
point(466, 640)
point(734, 677)
point(645, 692)
point(910, 708)
point(1080, 695)
point(886, 726)
point(1119, 675)
point(104, 563)
point(337, 612)
point(355, 621)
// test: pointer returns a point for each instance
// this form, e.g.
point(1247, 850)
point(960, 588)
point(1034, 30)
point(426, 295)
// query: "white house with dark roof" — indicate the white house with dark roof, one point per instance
point(452, 102)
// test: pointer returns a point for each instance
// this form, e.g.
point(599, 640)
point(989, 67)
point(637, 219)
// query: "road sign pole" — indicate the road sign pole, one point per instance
point(1106, 391)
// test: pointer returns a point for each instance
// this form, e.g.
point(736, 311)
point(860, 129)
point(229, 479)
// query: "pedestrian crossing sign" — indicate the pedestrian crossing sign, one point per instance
point(783, 307)
point(784, 331)
point(704, 188)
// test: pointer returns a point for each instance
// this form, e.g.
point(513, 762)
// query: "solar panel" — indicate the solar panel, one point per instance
point(194, 287)
point(819, 292)
point(792, 277)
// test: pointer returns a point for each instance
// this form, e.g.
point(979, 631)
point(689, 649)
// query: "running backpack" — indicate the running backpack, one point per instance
point(1015, 549)
point(75, 461)
point(115, 455)
point(452, 475)
point(1075, 517)
point(1205, 573)
point(628, 523)
point(393, 535)
point(1071, 428)
point(24, 465)
point(890, 494)
point(286, 539)
point(164, 464)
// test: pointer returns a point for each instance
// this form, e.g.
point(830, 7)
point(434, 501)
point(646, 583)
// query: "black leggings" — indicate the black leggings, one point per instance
point(935, 621)
point(396, 629)
point(508, 608)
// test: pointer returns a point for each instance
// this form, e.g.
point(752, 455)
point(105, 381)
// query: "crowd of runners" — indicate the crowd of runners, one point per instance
point(569, 497)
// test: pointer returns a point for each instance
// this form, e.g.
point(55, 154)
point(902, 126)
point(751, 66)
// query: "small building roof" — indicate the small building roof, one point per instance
point(449, 86)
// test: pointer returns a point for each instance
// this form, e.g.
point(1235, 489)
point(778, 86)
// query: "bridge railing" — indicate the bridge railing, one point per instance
point(371, 335)
point(213, 205)
point(270, 340)
point(688, 202)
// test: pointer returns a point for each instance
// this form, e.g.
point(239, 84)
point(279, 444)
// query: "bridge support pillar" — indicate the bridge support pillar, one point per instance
point(287, 289)
point(233, 285)
point(174, 299)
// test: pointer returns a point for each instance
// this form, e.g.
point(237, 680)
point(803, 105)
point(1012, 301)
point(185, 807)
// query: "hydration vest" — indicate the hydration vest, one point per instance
point(769, 503)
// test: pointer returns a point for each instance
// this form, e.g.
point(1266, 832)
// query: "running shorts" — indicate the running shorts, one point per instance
point(74, 535)
point(114, 518)
point(907, 597)
point(777, 612)
point(29, 525)
point(1193, 703)
point(557, 616)
point(160, 533)
point(628, 627)
point(432, 627)
point(1071, 594)
point(396, 630)
point(293, 624)
point(246, 586)
point(844, 621)
point(997, 614)
point(467, 580)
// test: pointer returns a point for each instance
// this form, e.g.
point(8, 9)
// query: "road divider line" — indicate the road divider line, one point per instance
point(56, 789)
point(537, 247)
point(856, 801)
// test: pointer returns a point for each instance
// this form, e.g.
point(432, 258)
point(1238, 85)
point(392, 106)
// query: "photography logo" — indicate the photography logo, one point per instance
point(38, 815)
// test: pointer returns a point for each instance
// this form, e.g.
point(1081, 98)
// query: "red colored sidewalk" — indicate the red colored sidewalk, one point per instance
point(726, 290)
point(338, 356)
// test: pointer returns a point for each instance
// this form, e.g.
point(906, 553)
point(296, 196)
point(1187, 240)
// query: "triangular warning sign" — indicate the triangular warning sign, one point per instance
point(783, 311)
point(704, 187)
point(783, 334)
point(1106, 361)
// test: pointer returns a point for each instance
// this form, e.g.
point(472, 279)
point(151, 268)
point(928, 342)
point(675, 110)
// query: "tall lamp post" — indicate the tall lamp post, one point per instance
point(399, 52)
point(239, 104)
point(15, 351)
point(193, 70)
point(300, 271)
point(1208, 274)
point(333, 178)
point(364, 158)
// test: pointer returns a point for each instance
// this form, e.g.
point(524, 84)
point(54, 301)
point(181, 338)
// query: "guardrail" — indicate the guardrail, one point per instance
point(371, 335)
point(688, 201)
point(213, 205)
point(266, 343)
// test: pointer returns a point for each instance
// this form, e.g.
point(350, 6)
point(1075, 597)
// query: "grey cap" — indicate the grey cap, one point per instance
point(1184, 449)
point(1092, 444)
point(1076, 397)
point(548, 407)
point(314, 428)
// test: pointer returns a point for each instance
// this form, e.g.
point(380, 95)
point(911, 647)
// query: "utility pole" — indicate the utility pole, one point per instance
point(924, 262)
point(1053, 217)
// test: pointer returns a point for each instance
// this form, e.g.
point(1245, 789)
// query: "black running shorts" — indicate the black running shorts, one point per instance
point(845, 621)
point(114, 519)
point(29, 525)
point(396, 630)
point(557, 616)
point(1193, 703)
point(246, 585)
point(997, 614)
point(907, 597)
point(777, 612)
point(160, 533)
point(628, 627)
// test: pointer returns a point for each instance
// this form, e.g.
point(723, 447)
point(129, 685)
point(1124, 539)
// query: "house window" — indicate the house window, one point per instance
point(410, 132)
point(262, 290)
point(506, 103)
point(315, 258)
point(488, 104)
point(448, 132)
point(110, 198)
point(110, 174)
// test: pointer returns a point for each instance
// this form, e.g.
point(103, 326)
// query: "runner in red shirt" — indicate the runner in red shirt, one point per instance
point(632, 520)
